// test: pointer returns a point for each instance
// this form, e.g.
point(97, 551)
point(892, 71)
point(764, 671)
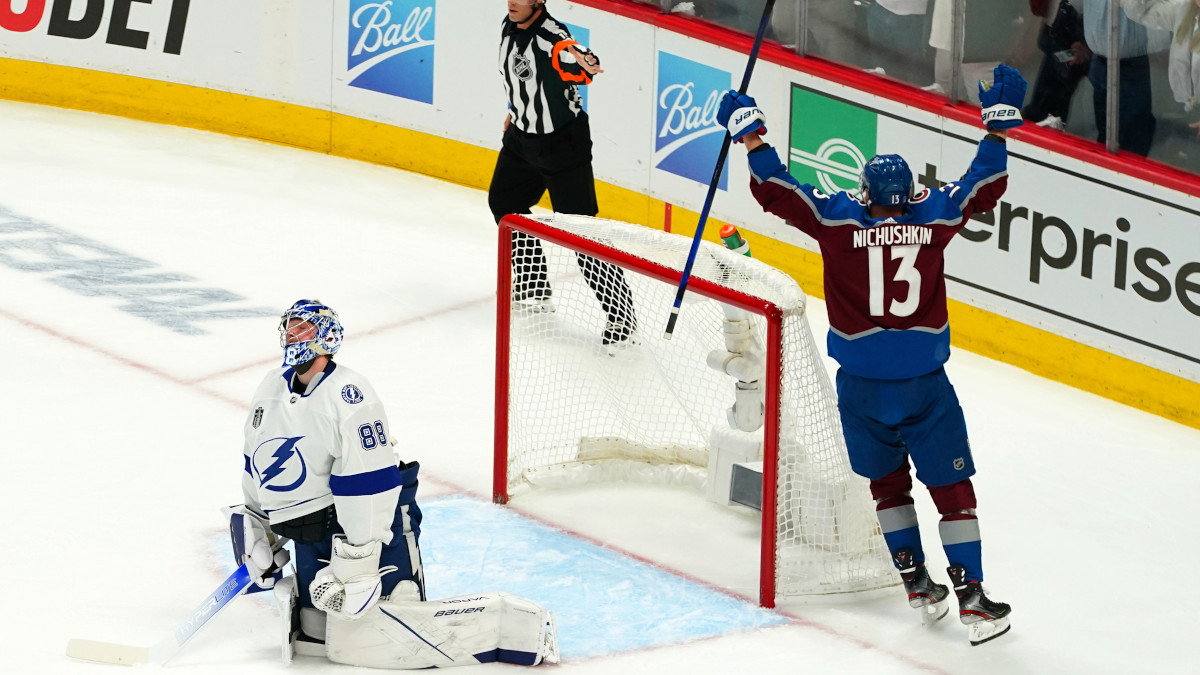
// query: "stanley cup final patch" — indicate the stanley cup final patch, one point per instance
point(258, 413)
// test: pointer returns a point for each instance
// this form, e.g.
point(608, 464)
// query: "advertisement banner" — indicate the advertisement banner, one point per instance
point(688, 138)
point(830, 141)
point(1086, 253)
point(1065, 251)
point(391, 46)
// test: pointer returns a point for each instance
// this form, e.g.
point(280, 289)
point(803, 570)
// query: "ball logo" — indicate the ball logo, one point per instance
point(391, 47)
point(351, 394)
point(688, 138)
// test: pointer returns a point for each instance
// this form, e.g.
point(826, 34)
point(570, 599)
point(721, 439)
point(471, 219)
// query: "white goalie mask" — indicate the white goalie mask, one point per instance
point(324, 339)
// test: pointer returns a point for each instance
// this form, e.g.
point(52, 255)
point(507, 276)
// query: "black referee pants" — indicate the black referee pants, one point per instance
point(561, 163)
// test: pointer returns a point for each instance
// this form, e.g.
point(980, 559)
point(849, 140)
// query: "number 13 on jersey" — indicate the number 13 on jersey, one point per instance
point(907, 274)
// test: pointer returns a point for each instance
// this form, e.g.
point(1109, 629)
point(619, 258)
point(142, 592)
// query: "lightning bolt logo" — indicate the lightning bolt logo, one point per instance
point(282, 454)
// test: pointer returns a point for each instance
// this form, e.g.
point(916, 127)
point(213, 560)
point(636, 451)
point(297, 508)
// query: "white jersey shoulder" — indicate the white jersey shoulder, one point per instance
point(295, 442)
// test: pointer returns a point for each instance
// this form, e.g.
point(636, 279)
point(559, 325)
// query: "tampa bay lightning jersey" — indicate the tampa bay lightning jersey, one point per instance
point(885, 285)
point(329, 445)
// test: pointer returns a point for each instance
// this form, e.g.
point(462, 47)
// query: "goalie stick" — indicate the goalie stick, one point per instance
point(161, 652)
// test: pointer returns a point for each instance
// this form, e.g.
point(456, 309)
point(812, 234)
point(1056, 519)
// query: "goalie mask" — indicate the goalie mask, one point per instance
point(886, 180)
point(322, 336)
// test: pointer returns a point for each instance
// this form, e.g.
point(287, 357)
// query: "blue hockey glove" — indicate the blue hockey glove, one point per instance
point(740, 115)
point(1002, 98)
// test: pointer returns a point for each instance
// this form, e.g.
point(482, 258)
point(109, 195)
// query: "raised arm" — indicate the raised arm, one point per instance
point(980, 188)
point(776, 190)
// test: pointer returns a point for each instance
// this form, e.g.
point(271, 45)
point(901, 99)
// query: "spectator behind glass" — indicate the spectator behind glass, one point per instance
point(1182, 17)
point(1136, 125)
point(836, 28)
point(995, 32)
point(740, 15)
point(1064, 62)
point(899, 39)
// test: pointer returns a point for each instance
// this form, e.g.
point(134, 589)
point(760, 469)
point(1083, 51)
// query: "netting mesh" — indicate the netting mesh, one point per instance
point(596, 393)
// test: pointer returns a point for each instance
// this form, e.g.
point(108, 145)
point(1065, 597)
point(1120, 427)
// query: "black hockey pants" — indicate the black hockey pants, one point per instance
point(561, 163)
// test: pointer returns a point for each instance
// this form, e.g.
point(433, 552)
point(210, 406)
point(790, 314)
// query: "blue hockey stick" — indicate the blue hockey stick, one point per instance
point(716, 177)
point(108, 652)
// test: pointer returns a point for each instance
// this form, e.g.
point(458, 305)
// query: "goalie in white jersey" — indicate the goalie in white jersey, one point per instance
point(319, 470)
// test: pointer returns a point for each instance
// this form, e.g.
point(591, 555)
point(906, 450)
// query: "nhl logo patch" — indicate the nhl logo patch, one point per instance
point(351, 394)
point(959, 463)
point(522, 68)
point(258, 413)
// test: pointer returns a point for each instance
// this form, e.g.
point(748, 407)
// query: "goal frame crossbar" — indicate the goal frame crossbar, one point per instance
point(772, 378)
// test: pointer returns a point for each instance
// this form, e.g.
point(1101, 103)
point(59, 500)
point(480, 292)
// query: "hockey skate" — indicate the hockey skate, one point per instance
point(617, 336)
point(924, 595)
point(536, 301)
point(987, 620)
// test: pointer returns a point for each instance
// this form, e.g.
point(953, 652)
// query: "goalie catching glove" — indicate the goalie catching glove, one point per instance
point(741, 116)
point(256, 546)
point(352, 582)
point(1002, 99)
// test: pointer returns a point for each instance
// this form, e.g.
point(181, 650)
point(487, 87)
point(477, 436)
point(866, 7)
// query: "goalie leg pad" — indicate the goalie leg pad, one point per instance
point(465, 630)
point(310, 640)
point(286, 597)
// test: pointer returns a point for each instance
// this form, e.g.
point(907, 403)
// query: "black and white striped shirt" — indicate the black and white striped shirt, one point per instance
point(540, 75)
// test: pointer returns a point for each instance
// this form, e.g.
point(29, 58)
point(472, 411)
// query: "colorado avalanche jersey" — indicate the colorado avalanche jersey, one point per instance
point(329, 445)
point(884, 278)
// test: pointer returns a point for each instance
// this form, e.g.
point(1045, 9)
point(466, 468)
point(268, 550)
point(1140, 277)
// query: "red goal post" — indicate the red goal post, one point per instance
point(569, 407)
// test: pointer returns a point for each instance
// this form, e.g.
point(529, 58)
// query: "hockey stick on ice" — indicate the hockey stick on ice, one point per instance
point(108, 652)
point(716, 177)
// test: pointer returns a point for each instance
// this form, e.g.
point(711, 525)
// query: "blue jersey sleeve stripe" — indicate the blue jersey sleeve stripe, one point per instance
point(246, 464)
point(990, 164)
point(362, 484)
point(765, 165)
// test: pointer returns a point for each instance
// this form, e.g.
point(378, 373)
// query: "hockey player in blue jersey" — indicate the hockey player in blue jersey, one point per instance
point(885, 290)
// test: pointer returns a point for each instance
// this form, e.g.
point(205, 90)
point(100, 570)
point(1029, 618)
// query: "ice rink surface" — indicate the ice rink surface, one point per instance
point(142, 271)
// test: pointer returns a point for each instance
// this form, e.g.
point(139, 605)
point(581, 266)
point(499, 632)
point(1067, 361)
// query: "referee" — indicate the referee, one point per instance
point(548, 146)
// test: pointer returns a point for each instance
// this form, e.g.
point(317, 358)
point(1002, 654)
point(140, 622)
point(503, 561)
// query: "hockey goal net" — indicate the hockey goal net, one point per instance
point(588, 389)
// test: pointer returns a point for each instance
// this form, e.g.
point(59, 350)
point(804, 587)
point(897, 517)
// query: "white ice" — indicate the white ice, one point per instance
point(123, 438)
